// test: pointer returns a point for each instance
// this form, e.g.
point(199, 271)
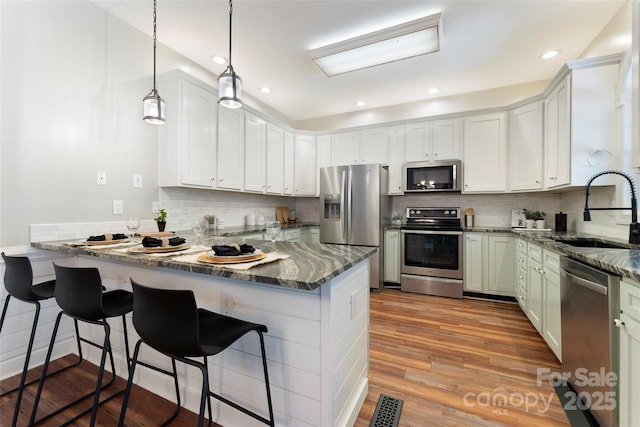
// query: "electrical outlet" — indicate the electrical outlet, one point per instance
point(226, 304)
point(101, 178)
point(118, 207)
point(137, 181)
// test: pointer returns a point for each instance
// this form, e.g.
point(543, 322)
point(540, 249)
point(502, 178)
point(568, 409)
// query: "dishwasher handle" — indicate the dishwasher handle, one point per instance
point(588, 284)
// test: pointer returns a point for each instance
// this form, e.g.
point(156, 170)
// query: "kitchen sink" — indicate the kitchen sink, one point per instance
point(587, 242)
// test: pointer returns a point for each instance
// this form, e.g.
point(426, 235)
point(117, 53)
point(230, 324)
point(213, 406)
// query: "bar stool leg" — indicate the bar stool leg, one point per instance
point(266, 379)
point(4, 311)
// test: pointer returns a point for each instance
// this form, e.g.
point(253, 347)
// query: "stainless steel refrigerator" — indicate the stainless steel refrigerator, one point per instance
point(354, 206)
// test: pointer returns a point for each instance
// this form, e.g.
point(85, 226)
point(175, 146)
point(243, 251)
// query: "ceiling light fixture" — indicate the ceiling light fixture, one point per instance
point(407, 40)
point(152, 104)
point(433, 91)
point(360, 104)
point(550, 54)
point(265, 89)
point(219, 59)
point(229, 83)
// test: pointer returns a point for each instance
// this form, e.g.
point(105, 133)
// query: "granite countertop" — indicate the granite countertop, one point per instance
point(309, 264)
point(248, 229)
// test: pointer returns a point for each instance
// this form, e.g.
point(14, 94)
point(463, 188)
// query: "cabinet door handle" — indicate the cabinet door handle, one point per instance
point(221, 179)
point(618, 323)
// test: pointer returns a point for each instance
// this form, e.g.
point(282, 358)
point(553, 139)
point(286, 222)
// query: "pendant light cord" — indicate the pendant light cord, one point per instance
point(230, 14)
point(154, 45)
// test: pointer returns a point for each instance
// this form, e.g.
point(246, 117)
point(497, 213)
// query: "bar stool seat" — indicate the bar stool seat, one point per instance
point(169, 321)
point(18, 281)
point(79, 293)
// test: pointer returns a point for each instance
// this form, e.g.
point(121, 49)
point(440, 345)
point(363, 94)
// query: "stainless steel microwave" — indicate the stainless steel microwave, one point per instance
point(443, 175)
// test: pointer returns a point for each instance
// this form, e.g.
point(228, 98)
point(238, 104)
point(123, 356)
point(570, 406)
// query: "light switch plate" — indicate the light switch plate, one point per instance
point(137, 181)
point(118, 207)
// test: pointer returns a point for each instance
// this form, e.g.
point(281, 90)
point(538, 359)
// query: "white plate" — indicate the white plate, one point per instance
point(234, 257)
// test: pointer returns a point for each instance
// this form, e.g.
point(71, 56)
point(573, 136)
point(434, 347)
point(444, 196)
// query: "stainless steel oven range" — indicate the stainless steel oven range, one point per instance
point(432, 252)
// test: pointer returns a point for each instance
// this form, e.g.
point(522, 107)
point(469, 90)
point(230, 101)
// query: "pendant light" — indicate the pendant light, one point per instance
point(229, 83)
point(153, 105)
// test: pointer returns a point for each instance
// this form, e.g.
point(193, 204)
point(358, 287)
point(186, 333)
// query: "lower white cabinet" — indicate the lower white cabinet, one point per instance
point(290, 235)
point(520, 270)
point(310, 235)
point(392, 256)
point(488, 263)
point(629, 378)
point(543, 296)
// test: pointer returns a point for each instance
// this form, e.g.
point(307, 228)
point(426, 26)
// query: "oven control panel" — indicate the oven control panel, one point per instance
point(433, 213)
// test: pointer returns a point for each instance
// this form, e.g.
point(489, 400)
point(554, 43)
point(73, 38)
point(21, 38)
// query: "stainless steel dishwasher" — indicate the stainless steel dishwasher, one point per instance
point(590, 303)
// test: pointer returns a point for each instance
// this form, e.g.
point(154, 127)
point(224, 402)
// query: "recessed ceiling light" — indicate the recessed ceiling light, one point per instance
point(550, 54)
point(360, 104)
point(407, 40)
point(433, 90)
point(265, 89)
point(218, 59)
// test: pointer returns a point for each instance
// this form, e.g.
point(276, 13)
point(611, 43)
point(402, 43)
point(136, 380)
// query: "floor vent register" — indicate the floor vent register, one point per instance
point(387, 412)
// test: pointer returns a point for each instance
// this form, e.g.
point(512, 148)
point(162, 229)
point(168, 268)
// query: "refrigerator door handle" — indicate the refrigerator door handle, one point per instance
point(350, 206)
point(343, 205)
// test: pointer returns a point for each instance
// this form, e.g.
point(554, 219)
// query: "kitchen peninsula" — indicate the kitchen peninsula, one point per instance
point(315, 304)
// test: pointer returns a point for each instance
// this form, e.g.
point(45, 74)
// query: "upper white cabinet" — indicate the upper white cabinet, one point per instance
point(275, 159)
point(288, 180)
point(255, 148)
point(433, 140)
point(230, 148)
point(187, 154)
point(485, 151)
point(526, 147)
point(396, 159)
point(580, 118)
point(345, 148)
point(367, 146)
point(323, 157)
point(305, 169)
point(557, 135)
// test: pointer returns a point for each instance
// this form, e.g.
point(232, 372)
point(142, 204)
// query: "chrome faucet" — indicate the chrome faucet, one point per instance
point(634, 227)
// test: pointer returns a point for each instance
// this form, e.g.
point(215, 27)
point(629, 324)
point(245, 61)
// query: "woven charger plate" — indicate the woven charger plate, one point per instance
point(156, 233)
point(143, 250)
point(212, 259)
point(104, 242)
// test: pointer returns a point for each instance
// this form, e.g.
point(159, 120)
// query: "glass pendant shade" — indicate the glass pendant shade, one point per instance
point(153, 107)
point(230, 89)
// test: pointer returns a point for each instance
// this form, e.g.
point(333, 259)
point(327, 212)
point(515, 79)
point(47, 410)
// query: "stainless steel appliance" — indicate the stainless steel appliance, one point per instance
point(443, 175)
point(354, 205)
point(589, 306)
point(431, 252)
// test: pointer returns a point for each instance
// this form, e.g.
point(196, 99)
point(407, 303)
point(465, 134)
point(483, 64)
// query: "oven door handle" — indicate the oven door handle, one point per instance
point(452, 233)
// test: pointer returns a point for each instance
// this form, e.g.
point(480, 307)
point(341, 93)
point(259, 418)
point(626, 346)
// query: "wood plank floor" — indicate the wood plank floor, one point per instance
point(447, 359)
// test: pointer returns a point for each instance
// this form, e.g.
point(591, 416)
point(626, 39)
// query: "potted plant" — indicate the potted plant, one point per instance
point(529, 217)
point(211, 220)
point(161, 219)
point(539, 218)
point(396, 218)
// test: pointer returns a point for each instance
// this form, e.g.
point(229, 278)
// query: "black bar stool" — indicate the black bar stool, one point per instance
point(18, 281)
point(170, 322)
point(79, 293)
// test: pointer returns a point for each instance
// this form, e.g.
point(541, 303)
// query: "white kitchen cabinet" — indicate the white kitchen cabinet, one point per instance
point(526, 147)
point(500, 264)
point(551, 315)
point(392, 256)
point(255, 149)
point(629, 375)
point(473, 268)
point(360, 147)
point(520, 269)
point(288, 178)
point(396, 159)
point(275, 165)
point(310, 235)
point(230, 149)
point(488, 263)
point(187, 142)
point(290, 235)
point(432, 140)
point(305, 169)
point(557, 139)
point(543, 305)
point(580, 118)
point(323, 157)
point(484, 154)
point(345, 148)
